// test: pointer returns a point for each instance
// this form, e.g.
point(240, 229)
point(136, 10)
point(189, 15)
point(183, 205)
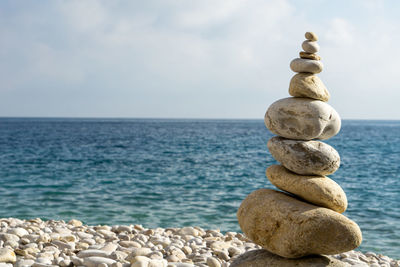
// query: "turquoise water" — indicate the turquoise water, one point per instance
point(172, 173)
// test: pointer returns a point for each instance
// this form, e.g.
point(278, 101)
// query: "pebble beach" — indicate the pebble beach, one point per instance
point(58, 243)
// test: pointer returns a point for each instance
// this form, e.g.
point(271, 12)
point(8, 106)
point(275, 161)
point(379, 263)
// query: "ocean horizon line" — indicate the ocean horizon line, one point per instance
point(163, 118)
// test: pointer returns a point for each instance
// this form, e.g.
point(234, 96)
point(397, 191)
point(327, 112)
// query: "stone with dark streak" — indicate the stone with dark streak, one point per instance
point(304, 157)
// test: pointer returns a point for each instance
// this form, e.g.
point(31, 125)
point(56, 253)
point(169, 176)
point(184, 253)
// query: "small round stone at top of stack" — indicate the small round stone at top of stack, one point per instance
point(311, 36)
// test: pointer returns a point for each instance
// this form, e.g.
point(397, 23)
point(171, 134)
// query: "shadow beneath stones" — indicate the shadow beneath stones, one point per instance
point(264, 258)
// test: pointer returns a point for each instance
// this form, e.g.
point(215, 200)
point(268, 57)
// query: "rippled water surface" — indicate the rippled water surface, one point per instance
point(182, 172)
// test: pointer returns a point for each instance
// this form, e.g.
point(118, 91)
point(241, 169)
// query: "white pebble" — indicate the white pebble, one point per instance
point(213, 262)
point(93, 253)
point(96, 261)
point(18, 231)
point(310, 46)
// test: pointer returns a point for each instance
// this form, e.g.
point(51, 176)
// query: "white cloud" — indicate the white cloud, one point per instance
point(84, 16)
point(206, 14)
point(373, 5)
point(340, 32)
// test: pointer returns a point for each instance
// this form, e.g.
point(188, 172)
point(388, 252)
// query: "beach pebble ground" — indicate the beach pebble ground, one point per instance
point(41, 243)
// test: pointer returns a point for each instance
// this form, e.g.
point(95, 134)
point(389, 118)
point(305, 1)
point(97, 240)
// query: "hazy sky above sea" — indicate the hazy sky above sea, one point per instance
point(193, 59)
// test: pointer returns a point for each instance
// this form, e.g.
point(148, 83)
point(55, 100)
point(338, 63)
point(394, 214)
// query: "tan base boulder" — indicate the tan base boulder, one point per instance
point(304, 157)
point(318, 190)
point(292, 228)
point(308, 85)
point(302, 119)
point(263, 258)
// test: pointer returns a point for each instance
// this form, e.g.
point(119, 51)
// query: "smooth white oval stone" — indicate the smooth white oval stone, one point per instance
point(302, 119)
point(306, 65)
point(310, 46)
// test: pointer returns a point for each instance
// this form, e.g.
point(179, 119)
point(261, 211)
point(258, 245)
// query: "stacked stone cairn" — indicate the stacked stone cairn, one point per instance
point(306, 218)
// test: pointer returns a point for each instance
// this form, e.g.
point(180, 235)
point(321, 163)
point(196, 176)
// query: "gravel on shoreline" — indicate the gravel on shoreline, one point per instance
point(40, 243)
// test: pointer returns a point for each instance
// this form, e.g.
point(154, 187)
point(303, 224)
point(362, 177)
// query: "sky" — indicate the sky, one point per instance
point(192, 59)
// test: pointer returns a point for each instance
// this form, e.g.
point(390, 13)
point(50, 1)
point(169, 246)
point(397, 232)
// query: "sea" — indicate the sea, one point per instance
point(181, 172)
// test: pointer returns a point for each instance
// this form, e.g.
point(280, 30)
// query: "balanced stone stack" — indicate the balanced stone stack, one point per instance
point(306, 218)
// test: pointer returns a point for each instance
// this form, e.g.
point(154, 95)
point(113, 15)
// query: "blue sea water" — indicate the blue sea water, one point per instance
point(173, 173)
